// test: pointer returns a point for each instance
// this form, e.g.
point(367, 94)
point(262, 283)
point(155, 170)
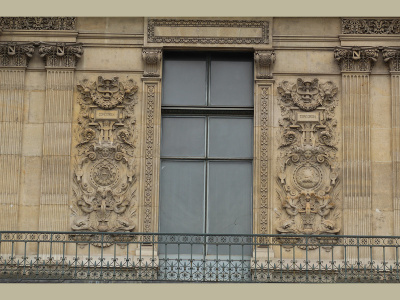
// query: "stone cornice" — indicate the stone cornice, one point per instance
point(391, 56)
point(356, 59)
point(152, 62)
point(37, 23)
point(61, 55)
point(15, 54)
point(263, 61)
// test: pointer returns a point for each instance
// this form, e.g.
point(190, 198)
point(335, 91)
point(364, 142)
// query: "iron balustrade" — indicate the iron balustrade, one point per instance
point(34, 256)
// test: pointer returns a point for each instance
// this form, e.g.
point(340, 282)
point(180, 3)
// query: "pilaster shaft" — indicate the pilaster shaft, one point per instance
point(392, 57)
point(60, 62)
point(14, 59)
point(356, 65)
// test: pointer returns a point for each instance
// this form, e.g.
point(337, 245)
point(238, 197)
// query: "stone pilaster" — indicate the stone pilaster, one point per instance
point(60, 60)
point(392, 57)
point(151, 120)
point(262, 183)
point(356, 64)
point(14, 59)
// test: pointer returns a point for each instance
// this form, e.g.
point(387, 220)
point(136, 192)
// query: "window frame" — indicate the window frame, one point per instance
point(208, 111)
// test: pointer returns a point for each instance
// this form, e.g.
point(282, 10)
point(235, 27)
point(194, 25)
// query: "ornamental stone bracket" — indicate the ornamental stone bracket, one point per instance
point(308, 168)
point(15, 54)
point(391, 56)
point(263, 62)
point(60, 55)
point(104, 173)
point(152, 62)
point(356, 59)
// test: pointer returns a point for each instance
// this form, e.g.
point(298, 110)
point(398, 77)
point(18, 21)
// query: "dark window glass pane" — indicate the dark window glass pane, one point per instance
point(232, 83)
point(182, 187)
point(229, 206)
point(230, 137)
point(183, 137)
point(184, 83)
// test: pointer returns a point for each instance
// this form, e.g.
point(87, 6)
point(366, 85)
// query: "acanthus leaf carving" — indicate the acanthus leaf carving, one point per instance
point(264, 61)
point(64, 55)
point(152, 61)
point(104, 173)
point(391, 56)
point(358, 59)
point(15, 54)
point(308, 169)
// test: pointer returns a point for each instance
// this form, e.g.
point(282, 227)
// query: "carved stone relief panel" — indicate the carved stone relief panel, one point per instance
point(207, 31)
point(104, 172)
point(370, 26)
point(308, 167)
point(37, 23)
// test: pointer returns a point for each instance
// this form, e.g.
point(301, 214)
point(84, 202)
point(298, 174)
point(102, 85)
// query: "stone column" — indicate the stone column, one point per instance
point(356, 65)
point(60, 60)
point(392, 57)
point(263, 100)
point(14, 60)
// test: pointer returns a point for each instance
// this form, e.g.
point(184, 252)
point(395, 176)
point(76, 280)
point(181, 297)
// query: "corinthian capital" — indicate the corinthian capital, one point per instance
point(62, 55)
point(357, 59)
point(391, 56)
point(263, 61)
point(152, 61)
point(15, 55)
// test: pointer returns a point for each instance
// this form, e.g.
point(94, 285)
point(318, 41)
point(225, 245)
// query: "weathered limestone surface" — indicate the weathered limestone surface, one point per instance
point(43, 84)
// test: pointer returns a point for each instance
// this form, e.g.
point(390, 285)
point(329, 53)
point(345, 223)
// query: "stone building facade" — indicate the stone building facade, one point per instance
point(81, 115)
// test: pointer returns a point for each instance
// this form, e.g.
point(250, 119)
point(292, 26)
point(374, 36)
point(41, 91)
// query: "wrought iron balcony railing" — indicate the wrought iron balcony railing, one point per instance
point(153, 257)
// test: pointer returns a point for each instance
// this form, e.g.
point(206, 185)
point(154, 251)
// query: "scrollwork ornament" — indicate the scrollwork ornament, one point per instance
point(15, 54)
point(63, 55)
point(391, 56)
point(308, 173)
point(104, 175)
point(358, 59)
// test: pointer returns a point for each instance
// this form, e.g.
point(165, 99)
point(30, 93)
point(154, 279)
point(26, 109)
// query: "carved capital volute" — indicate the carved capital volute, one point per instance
point(15, 54)
point(152, 62)
point(61, 55)
point(356, 59)
point(263, 61)
point(391, 56)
